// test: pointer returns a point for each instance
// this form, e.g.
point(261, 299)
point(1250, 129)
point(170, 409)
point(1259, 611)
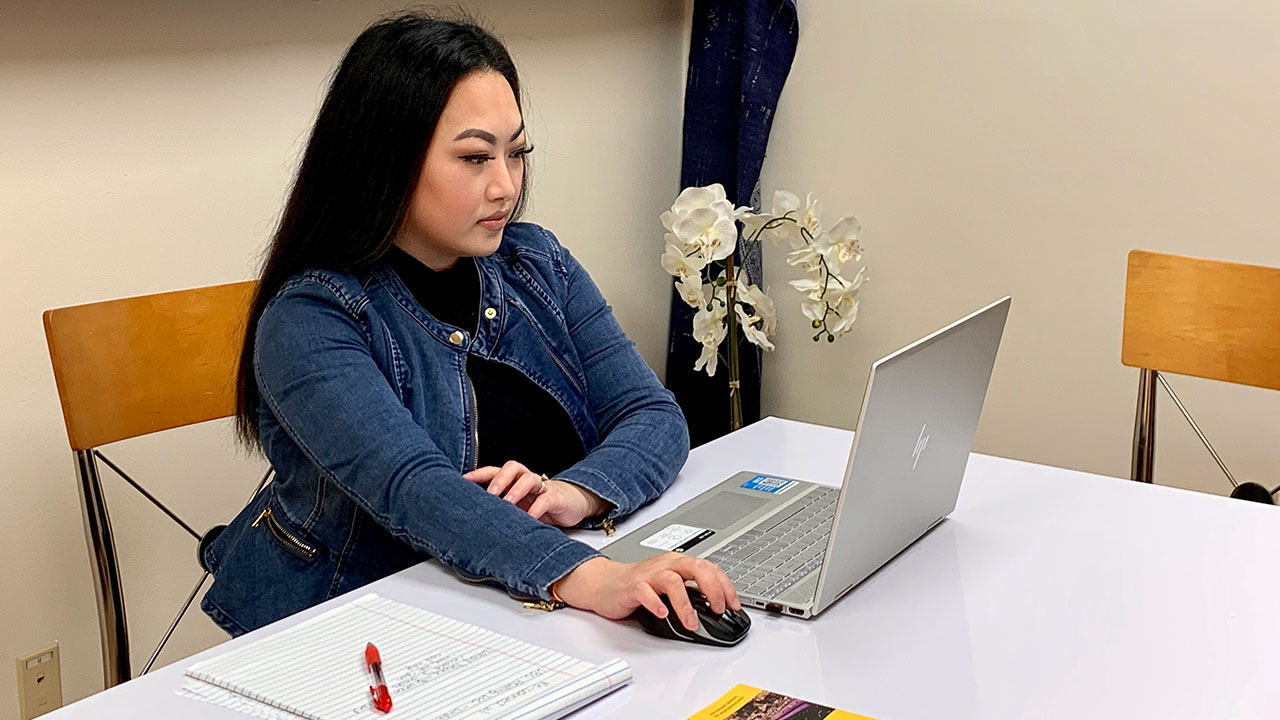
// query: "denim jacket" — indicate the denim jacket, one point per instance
point(368, 418)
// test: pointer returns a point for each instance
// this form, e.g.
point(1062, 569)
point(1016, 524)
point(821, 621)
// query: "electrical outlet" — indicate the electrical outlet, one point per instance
point(39, 682)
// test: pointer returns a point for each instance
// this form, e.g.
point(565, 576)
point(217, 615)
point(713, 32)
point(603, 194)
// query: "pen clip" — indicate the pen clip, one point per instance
point(381, 698)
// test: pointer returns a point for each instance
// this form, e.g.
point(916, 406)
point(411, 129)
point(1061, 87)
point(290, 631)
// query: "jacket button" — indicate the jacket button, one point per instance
point(456, 337)
point(490, 313)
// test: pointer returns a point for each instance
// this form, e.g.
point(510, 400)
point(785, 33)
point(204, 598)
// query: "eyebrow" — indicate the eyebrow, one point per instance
point(487, 136)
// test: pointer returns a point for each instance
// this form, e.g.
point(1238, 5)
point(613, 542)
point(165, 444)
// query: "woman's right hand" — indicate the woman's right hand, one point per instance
point(615, 589)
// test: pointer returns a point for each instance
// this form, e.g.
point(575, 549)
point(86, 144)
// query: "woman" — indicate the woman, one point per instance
point(429, 378)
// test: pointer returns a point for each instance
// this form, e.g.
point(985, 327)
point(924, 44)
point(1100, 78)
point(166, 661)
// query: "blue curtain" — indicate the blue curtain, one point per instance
point(740, 53)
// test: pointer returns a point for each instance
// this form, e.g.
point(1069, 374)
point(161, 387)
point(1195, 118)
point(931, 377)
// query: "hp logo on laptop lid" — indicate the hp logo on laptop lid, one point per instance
point(921, 443)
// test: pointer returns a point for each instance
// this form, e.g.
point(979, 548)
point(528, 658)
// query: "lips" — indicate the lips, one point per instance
point(494, 222)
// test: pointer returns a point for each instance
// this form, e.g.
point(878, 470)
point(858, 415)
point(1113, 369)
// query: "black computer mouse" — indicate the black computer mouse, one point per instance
point(721, 630)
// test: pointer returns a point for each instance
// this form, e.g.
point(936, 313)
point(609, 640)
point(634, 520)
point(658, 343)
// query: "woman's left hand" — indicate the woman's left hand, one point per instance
point(555, 502)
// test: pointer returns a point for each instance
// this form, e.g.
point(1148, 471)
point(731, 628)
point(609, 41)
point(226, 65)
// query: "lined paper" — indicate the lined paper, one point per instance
point(436, 669)
point(204, 692)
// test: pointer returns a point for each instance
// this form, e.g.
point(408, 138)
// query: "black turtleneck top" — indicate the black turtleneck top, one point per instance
point(516, 419)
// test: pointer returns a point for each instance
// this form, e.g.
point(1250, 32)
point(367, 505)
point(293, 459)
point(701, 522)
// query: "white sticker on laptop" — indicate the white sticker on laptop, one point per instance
point(764, 483)
point(677, 537)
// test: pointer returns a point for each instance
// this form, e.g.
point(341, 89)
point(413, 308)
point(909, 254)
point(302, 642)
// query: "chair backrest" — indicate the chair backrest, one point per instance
point(139, 365)
point(132, 367)
point(1207, 318)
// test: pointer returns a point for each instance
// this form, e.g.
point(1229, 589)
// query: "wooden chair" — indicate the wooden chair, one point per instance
point(132, 367)
point(1205, 318)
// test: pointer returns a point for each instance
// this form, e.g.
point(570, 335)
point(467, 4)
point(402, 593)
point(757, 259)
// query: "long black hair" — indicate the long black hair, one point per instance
point(361, 165)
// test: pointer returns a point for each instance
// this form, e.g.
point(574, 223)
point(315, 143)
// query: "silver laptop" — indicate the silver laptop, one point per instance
point(794, 547)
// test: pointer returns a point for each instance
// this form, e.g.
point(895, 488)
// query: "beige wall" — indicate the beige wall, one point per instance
point(1024, 148)
point(148, 146)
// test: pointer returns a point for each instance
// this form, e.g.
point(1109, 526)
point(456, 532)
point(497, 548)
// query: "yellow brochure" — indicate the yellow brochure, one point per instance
point(744, 702)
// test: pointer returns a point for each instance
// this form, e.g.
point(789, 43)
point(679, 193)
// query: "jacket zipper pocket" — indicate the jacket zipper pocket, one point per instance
point(286, 538)
point(546, 345)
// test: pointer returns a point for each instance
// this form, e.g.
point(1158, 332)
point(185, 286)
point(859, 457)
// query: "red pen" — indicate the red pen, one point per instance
point(381, 696)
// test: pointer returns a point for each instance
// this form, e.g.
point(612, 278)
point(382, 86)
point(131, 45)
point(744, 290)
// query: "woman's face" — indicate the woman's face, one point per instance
point(470, 179)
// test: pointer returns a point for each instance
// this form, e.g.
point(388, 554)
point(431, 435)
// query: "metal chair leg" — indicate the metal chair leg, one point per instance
point(106, 572)
point(1199, 433)
point(1144, 429)
point(176, 619)
point(106, 569)
point(199, 554)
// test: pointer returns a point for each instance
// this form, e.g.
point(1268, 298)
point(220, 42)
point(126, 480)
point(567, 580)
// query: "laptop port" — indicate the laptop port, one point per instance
point(795, 611)
point(773, 607)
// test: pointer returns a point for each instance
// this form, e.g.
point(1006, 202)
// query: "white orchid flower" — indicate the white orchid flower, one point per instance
point(838, 301)
point(708, 358)
point(692, 291)
point(846, 312)
point(843, 238)
point(814, 309)
point(702, 218)
point(761, 307)
point(785, 206)
point(812, 220)
point(753, 224)
point(809, 257)
point(710, 228)
point(709, 330)
point(815, 287)
point(852, 286)
point(748, 325)
point(708, 325)
point(763, 226)
point(785, 202)
point(683, 264)
point(830, 288)
point(692, 198)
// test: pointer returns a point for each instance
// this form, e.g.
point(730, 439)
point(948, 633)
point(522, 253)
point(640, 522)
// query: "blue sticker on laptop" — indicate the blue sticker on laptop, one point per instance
point(764, 483)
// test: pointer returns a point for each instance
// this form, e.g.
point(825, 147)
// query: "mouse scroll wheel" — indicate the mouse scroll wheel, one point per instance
point(718, 624)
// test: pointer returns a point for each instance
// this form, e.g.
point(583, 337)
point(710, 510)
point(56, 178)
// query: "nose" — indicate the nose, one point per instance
point(502, 182)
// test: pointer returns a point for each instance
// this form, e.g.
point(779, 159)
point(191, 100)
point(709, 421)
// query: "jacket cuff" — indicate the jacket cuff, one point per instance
point(601, 485)
point(558, 563)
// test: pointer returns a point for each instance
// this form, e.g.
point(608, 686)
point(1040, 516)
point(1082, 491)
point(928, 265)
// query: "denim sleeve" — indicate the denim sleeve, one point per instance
point(318, 376)
point(644, 437)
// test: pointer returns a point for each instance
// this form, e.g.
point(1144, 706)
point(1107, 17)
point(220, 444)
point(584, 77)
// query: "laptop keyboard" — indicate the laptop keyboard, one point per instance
point(767, 560)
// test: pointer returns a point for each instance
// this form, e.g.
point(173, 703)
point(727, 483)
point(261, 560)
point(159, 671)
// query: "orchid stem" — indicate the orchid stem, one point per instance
point(735, 398)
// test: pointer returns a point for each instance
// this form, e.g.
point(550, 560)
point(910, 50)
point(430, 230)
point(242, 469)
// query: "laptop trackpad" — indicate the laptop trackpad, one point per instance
point(720, 510)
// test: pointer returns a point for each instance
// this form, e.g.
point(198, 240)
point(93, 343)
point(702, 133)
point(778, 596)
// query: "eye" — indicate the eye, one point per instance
point(522, 152)
point(477, 159)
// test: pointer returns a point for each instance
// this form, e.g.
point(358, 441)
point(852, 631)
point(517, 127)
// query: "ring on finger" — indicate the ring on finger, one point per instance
point(543, 488)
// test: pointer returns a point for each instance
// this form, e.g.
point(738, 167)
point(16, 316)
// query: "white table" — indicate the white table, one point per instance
point(1048, 593)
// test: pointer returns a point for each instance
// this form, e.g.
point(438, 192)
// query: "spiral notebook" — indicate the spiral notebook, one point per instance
point(436, 669)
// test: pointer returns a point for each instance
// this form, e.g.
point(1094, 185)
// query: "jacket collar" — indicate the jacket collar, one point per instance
point(493, 293)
